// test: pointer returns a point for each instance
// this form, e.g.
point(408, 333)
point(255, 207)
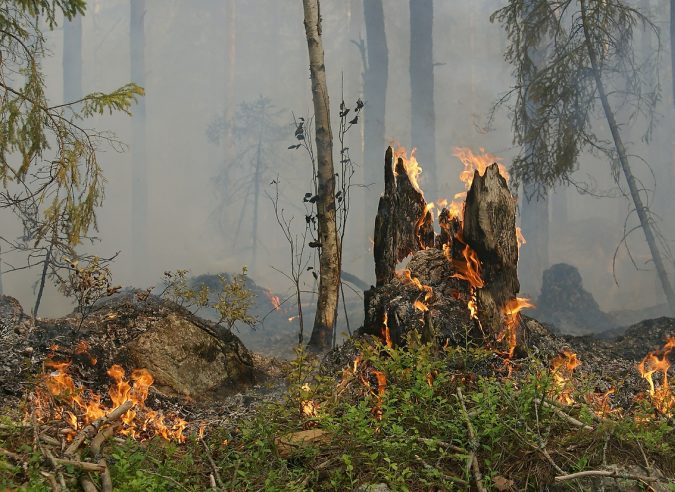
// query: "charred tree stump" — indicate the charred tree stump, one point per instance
point(403, 224)
point(490, 230)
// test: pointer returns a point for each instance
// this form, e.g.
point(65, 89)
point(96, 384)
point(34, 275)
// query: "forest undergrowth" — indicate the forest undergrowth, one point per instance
point(414, 419)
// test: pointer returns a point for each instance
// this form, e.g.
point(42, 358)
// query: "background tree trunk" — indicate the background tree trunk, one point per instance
point(72, 59)
point(375, 78)
point(139, 165)
point(329, 264)
point(423, 116)
point(534, 253)
point(625, 166)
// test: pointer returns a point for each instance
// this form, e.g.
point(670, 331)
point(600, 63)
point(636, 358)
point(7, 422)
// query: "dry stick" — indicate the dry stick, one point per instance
point(101, 437)
point(169, 479)
point(213, 465)
point(56, 466)
point(442, 444)
point(472, 435)
point(212, 481)
point(80, 465)
point(52, 481)
point(427, 466)
point(92, 428)
point(50, 440)
point(106, 479)
point(87, 484)
point(613, 474)
point(11, 455)
point(234, 475)
point(567, 417)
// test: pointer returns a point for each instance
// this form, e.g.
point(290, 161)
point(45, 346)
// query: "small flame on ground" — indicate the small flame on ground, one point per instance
point(308, 407)
point(510, 320)
point(562, 367)
point(60, 384)
point(657, 360)
point(273, 299)
point(420, 305)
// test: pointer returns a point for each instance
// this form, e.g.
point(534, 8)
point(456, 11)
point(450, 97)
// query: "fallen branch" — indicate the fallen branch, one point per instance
point(169, 479)
point(564, 416)
point(101, 437)
point(11, 455)
point(94, 427)
point(213, 465)
point(472, 435)
point(234, 475)
point(456, 480)
point(80, 465)
point(613, 474)
point(442, 444)
point(106, 479)
point(52, 481)
point(87, 484)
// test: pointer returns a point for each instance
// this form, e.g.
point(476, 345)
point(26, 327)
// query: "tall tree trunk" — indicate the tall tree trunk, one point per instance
point(423, 116)
point(139, 165)
point(256, 185)
point(375, 79)
point(625, 166)
point(534, 253)
point(329, 282)
point(72, 59)
point(1, 270)
point(230, 64)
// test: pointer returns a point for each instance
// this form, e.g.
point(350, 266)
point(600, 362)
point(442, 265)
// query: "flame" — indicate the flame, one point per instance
point(62, 394)
point(476, 162)
point(81, 347)
point(562, 368)
point(469, 269)
point(273, 299)
point(308, 407)
point(662, 398)
point(510, 319)
point(429, 292)
point(420, 305)
point(293, 317)
point(519, 237)
point(385, 331)
point(411, 165)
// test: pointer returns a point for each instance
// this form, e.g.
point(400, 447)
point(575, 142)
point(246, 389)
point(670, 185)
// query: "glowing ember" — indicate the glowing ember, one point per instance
point(140, 422)
point(662, 398)
point(562, 368)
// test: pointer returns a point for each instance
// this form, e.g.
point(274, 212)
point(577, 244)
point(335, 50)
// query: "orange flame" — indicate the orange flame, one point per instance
point(420, 305)
point(273, 299)
point(308, 407)
point(469, 269)
point(662, 398)
point(510, 319)
point(60, 384)
point(429, 292)
point(411, 165)
point(519, 237)
point(385, 331)
point(562, 368)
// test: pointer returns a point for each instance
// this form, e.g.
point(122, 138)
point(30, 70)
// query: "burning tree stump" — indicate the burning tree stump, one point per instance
point(403, 224)
point(490, 230)
point(470, 266)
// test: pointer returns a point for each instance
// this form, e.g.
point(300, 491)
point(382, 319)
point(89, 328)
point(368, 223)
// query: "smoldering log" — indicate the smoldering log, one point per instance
point(403, 224)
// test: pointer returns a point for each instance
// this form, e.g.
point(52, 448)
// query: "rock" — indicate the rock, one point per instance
point(564, 303)
point(12, 317)
point(187, 359)
point(378, 487)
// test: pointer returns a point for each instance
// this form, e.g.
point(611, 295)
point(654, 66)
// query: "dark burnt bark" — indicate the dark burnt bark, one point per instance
point(490, 230)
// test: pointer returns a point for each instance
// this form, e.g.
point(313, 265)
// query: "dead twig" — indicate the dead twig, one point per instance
point(168, 479)
point(80, 465)
point(94, 427)
point(106, 478)
point(564, 416)
point(472, 435)
point(613, 474)
point(52, 481)
point(11, 455)
point(234, 475)
point(442, 444)
point(101, 437)
point(87, 484)
point(213, 465)
point(427, 466)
